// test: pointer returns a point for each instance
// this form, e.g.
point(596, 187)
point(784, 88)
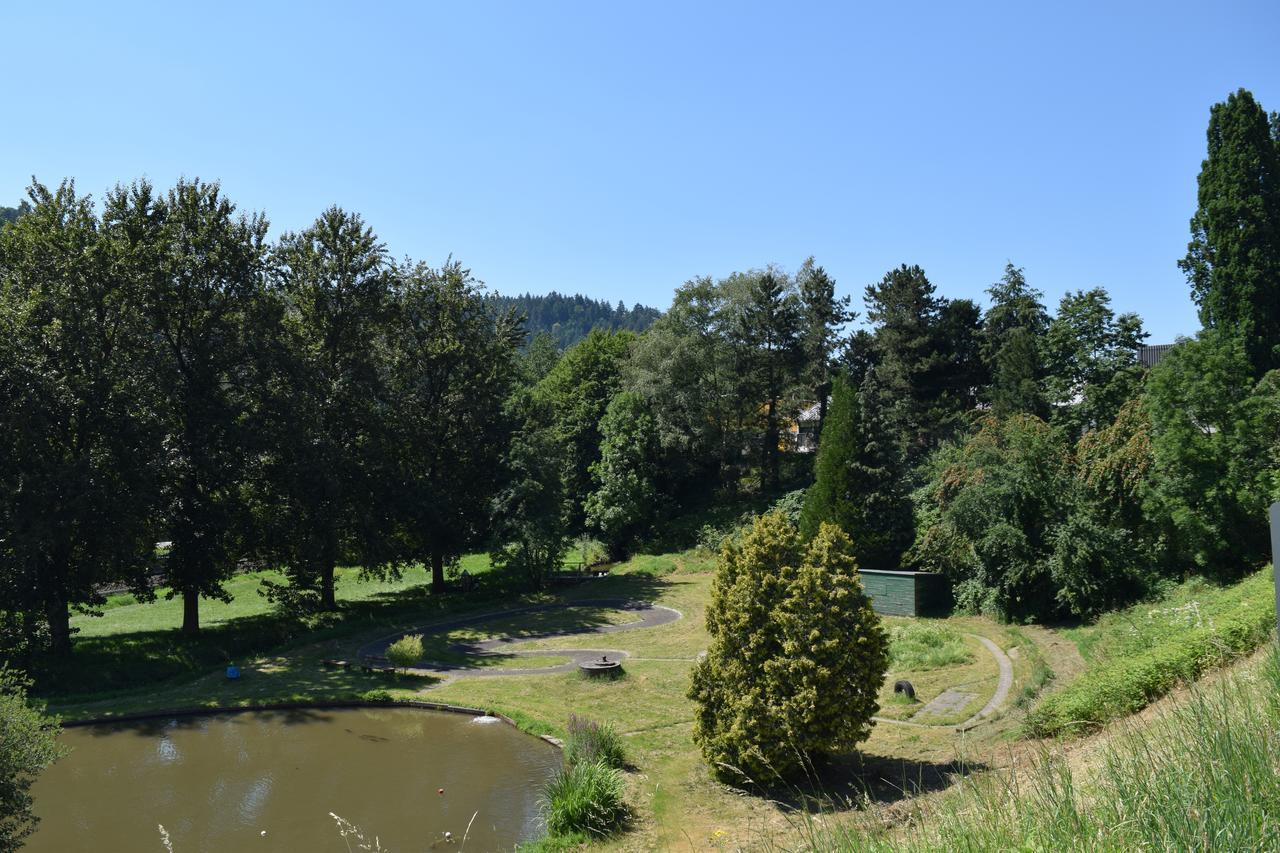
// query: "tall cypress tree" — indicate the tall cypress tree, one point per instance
point(859, 483)
point(1233, 259)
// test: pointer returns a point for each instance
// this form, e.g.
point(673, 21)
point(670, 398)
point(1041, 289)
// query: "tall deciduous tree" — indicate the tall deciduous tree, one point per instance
point(204, 269)
point(78, 467)
point(322, 477)
point(625, 501)
point(1233, 259)
point(530, 536)
point(452, 367)
point(1215, 431)
point(859, 485)
point(576, 393)
point(1091, 359)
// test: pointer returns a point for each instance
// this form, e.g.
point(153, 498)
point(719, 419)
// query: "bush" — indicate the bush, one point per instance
point(923, 645)
point(797, 655)
point(406, 651)
point(589, 742)
point(1124, 685)
point(28, 744)
point(585, 798)
point(376, 696)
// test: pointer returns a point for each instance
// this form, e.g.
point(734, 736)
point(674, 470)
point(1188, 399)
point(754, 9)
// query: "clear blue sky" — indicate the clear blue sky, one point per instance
point(620, 149)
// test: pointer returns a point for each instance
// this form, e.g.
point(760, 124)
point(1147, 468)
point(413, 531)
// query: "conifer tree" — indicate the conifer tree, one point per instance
point(859, 486)
point(1233, 259)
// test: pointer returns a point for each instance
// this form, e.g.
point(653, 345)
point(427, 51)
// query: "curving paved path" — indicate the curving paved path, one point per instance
point(648, 615)
point(1003, 685)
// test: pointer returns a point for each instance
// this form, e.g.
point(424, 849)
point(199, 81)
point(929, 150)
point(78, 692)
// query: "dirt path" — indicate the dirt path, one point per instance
point(648, 615)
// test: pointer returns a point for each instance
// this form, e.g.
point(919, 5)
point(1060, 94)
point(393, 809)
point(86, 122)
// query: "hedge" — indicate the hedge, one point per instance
point(1123, 686)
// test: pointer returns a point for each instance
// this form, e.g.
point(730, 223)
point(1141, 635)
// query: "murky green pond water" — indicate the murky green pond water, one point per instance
point(217, 783)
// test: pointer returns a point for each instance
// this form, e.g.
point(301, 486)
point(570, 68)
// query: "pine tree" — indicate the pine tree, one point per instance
point(859, 485)
point(1233, 259)
point(1011, 333)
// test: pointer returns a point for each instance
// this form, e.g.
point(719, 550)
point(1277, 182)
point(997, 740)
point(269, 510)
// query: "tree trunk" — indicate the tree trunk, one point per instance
point(328, 600)
point(190, 612)
point(59, 617)
point(437, 573)
point(824, 393)
point(769, 460)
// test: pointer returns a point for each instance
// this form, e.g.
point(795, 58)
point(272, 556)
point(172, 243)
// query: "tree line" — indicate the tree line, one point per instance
point(169, 375)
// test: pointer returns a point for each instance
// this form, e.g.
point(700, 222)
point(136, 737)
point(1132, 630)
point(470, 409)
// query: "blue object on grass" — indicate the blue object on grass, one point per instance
point(233, 671)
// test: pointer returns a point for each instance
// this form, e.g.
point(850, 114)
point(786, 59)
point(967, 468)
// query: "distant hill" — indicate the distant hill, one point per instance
point(11, 214)
point(570, 318)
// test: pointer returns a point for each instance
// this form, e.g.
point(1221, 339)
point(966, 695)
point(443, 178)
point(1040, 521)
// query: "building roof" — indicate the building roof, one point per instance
point(1150, 356)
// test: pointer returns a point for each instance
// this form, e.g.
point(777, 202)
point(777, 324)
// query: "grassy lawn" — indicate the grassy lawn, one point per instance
point(977, 675)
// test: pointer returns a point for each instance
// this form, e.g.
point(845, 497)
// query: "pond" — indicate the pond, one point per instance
point(218, 782)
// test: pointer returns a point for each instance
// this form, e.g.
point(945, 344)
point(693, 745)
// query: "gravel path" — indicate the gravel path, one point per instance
point(647, 616)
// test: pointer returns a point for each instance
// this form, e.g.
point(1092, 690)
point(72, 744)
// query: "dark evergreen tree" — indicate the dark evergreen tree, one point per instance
point(766, 336)
point(1011, 334)
point(1233, 259)
point(859, 485)
point(823, 317)
point(906, 315)
point(11, 214)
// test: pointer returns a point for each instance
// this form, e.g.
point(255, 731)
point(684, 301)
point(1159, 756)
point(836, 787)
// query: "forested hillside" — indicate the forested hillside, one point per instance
point(11, 214)
point(568, 319)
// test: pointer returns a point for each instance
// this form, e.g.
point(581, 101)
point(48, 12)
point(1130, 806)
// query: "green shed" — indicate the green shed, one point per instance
point(906, 593)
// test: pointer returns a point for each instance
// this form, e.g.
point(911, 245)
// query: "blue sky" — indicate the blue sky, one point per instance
point(618, 150)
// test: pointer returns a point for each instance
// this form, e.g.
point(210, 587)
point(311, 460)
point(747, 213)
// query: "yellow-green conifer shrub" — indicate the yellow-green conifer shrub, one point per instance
point(797, 655)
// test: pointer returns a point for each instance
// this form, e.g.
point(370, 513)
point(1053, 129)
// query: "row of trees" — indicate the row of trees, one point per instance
point(168, 374)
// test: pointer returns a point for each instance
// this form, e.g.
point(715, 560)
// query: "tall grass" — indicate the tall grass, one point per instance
point(589, 742)
point(1202, 776)
point(1141, 654)
point(920, 646)
point(585, 798)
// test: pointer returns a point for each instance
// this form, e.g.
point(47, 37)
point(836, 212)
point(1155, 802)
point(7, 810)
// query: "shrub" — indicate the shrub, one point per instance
point(589, 742)
point(1127, 684)
point(406, 651)
point(28, 744)
point(585, 798)
point(797, 656)
point(376, 696)
point(923, 645)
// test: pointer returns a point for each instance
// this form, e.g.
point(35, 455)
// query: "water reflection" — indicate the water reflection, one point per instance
point(218, 782)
